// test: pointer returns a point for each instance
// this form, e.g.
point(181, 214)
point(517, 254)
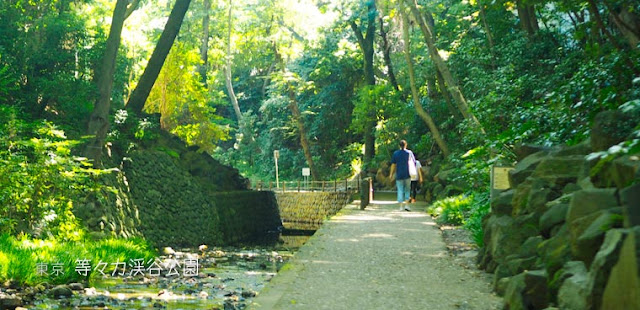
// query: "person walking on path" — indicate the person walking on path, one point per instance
point(400, 171)
point(416, 179)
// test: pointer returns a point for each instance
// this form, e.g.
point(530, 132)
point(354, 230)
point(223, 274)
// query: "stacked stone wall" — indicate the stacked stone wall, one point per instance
point(561, 236)
point(307, 210)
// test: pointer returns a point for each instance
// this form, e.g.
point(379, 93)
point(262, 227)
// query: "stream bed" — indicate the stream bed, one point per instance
point(223, 278)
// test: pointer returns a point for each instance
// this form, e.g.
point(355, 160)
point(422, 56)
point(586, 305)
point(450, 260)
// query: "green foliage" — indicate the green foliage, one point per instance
point(629, 146)
point(480, 207)
point(41, 178)
point(47, 47)
point(186, 108)
point(451, 210)
point(467, 209)
point(21, 258)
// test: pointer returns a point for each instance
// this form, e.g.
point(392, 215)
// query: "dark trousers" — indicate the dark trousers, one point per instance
point(414, 189)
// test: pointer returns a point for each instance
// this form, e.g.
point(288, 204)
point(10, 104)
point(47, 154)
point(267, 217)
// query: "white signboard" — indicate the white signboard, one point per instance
point(306, 172)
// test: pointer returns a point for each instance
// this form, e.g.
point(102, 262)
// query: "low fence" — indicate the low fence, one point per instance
point(308, 186)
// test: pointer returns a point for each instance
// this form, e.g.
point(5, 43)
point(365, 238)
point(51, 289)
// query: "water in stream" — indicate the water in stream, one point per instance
point(227, 278)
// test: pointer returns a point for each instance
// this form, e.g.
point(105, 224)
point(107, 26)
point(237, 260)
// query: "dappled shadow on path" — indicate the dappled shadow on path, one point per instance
point(378, 258)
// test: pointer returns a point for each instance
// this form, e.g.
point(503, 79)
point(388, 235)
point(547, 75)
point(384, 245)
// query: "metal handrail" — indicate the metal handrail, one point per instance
point(308, 186)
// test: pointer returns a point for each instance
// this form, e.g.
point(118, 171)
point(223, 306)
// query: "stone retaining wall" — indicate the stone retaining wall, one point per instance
point(561, 237)
point(171, 206)
point(247, 215)
point(308, 210)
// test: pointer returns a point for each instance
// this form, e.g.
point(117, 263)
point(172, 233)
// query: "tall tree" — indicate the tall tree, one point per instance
point(452, 86)
point(627, 20)
point(424, 115)
point(365, 42)
point(302, 131)
point(99, 120)
point(386, 53)
point(527, 15)
point(204, 46)
point(141, 92)
point(227, 69)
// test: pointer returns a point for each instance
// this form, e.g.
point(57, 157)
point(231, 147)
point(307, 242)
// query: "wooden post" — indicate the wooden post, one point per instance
point(346, 185)
point(284, 185)
point(335, 185)
point(322, 186)
point(270, 185)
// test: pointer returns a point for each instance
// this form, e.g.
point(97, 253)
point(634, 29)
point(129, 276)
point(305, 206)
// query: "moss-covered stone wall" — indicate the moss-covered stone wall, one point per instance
point(309, 209)
point(172, 206)
point(175, 209)
point(246, 215)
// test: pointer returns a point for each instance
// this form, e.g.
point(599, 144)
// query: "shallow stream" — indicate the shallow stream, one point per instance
point(223, 278)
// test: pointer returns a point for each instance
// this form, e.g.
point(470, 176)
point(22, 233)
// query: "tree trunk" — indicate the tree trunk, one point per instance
point(453, 88)
point(447, 97)
point(366, 45)
point(424, 115)
point(487, 30)
point(141, 92)
point(227, 72)
point(627, 23)
point(99, 120)
point(387, 57)
point(528, 20)
point(304, 142)
point(204, 48)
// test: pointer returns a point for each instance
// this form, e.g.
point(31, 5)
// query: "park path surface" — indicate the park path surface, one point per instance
point(377, 258)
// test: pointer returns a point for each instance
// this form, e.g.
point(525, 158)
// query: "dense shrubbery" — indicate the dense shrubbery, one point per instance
point(41, 178)
point(466, 209)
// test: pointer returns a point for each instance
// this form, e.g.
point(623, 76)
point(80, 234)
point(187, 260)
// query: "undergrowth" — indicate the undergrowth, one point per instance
point(466, 210)
point(27, 261)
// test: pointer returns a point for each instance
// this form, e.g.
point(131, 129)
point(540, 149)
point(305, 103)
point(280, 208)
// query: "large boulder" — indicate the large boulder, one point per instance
point(588, 201)
point(623, 287)
point(576, 228)
point(582, 148)
point(501, 204)
point(561, 171)
point(531, 197)
point(573, 292)
point(525, 168)
point(589, 242)
point(524, 150)
point(555, 215)
point(504, 235)
point(630, 199)
point(602, 265)
point(620, 173)
point(527, 290)
point(610, 128)
point(556, 251)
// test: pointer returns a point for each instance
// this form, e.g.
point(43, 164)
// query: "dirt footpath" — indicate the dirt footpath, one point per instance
point(378, 258)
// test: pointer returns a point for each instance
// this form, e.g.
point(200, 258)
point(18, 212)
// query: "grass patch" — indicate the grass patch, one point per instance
point(465, 209)
point(32, 261)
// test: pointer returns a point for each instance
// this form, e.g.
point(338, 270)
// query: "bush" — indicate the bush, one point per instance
point(40, 179)
point(465, 209)
point(480, 206)
point(451, 210)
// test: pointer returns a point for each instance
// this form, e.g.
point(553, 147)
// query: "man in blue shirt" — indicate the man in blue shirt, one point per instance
point(400, 171)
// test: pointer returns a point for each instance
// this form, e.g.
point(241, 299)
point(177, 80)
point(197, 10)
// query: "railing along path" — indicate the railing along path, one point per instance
point(308, 186)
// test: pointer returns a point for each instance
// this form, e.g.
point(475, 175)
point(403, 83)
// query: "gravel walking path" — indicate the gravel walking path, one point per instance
point(377, 258)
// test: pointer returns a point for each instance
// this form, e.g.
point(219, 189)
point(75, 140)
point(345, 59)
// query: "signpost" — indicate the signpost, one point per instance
point(306, 172)
point(276, 155)
point(499, 179)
